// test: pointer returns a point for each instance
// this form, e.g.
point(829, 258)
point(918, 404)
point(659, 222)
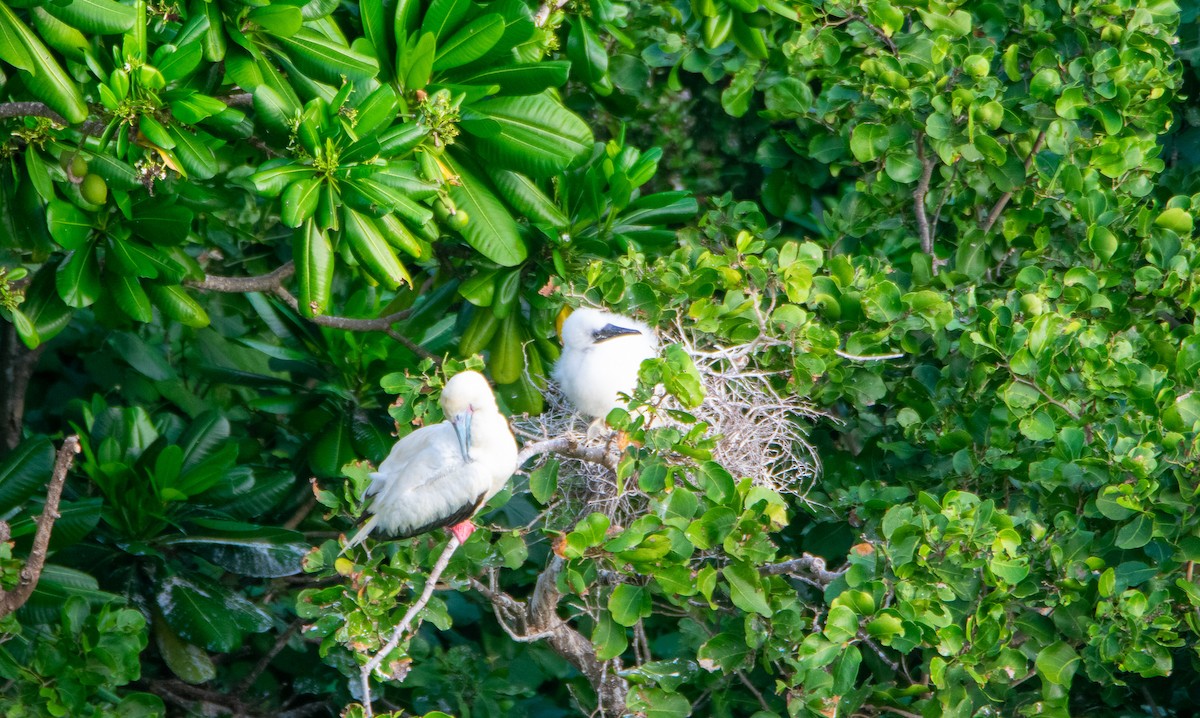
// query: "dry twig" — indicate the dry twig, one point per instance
point(32, 571)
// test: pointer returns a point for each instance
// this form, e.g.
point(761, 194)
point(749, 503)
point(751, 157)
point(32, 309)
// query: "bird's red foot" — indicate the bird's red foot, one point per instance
point(462, 531)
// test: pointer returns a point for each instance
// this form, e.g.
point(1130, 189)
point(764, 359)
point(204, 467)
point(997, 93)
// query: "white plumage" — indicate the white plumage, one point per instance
point(440, 475)
point(601, 356)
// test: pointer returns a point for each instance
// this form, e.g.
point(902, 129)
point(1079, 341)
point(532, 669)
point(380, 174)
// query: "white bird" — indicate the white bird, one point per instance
point(602, 353)
point(440, 475)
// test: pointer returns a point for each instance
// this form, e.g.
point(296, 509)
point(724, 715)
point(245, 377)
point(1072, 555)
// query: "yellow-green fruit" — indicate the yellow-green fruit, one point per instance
point(1031, 304)
point(976, 66)
point(459, 220)
point(94, 189)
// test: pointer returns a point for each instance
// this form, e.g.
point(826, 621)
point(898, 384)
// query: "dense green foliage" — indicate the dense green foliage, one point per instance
point(241, 242)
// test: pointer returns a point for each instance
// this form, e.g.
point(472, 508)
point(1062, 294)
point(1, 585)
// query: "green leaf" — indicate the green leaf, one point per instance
point(299, 201)
point(325, 60)
point(629, 604)
point(470, 43)
point(190, 663)
point(1176, 220)
point(1137, 533)
point(841, 624)
point(78, 278)
point(68, 225)
point(174, 301)
point(528, 78)
point(491, 229)
point(524, 195)
point(443, 16)
point(245, 549)
point(24, 471)
point(609, 638)
point(589, 59)
point(314, 260)
point(12, 41)
point(725, 651)
point(372, 250)
point(1057, 663)
point(903, 167)
point(537, 136)
point(98, 17)
point(543, 481)
point(746, 589)
point(208, 614)
point(868, 141)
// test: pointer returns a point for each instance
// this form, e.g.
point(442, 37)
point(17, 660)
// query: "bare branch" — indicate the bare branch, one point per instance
point(571, 448)
point(14, 599)
point(539, 619)
point(239, 285)
point(807, 566)
point(403, 626)
point(269, 656)
point(379, 324)
point(754, 691)
point(1001, 203)
point(866, 357)
point(30, 109)
point(927, 165)
point(1070, 412)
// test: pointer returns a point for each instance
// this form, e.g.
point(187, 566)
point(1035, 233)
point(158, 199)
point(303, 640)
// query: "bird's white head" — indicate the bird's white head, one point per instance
point(587, 327)
point(465, 394)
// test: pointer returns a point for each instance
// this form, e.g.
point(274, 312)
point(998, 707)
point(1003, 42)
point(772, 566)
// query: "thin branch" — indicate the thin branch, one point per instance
point(414, 347)
point(1001, 203)
point(754, 691)
point(937, 212)
point(1070, 412)
point(807, 566)
point(897, 711)
point(879, 651)
point(569, 447)
point(14, 599)
point(543, 12)
point(402, 627)
point(867, 357)
point(269, 656)
point(379, 324)
point(240, 285)
point(878, 32)
point(922, 189)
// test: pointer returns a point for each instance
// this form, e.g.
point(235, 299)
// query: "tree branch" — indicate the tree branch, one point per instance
point(919, 194)
point(14, 599)
point(240, 285)
point(1001, 203)
point(30, 109)
point(867, 357)
point(402, 627)
point(807, 566)
point(571, 448)
point(378, 324)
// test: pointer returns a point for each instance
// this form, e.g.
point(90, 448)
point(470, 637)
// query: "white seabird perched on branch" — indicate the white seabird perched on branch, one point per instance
point(440, 475)
point(602, 353)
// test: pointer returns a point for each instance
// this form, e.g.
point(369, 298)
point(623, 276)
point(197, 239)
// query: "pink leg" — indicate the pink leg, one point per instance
point(462, 531)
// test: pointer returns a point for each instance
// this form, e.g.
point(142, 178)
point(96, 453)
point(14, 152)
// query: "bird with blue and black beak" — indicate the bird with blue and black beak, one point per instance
point(442, 474)
point(602, 353)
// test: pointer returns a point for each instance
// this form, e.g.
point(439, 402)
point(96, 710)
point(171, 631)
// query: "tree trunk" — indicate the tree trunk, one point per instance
point(16, 367)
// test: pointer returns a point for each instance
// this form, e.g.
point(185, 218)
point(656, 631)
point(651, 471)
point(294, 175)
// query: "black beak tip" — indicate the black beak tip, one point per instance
point(611, 331)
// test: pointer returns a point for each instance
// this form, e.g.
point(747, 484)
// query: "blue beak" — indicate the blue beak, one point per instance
point(462, 428)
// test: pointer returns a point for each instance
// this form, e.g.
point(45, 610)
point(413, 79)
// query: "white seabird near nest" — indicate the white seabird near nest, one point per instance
point(602, 353)
point(440, 475)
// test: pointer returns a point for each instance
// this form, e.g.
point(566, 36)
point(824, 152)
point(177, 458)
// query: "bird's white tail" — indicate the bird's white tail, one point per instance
point(361, 535)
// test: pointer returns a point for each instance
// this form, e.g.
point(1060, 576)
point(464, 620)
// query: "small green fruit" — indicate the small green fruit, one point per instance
point(94, 189)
